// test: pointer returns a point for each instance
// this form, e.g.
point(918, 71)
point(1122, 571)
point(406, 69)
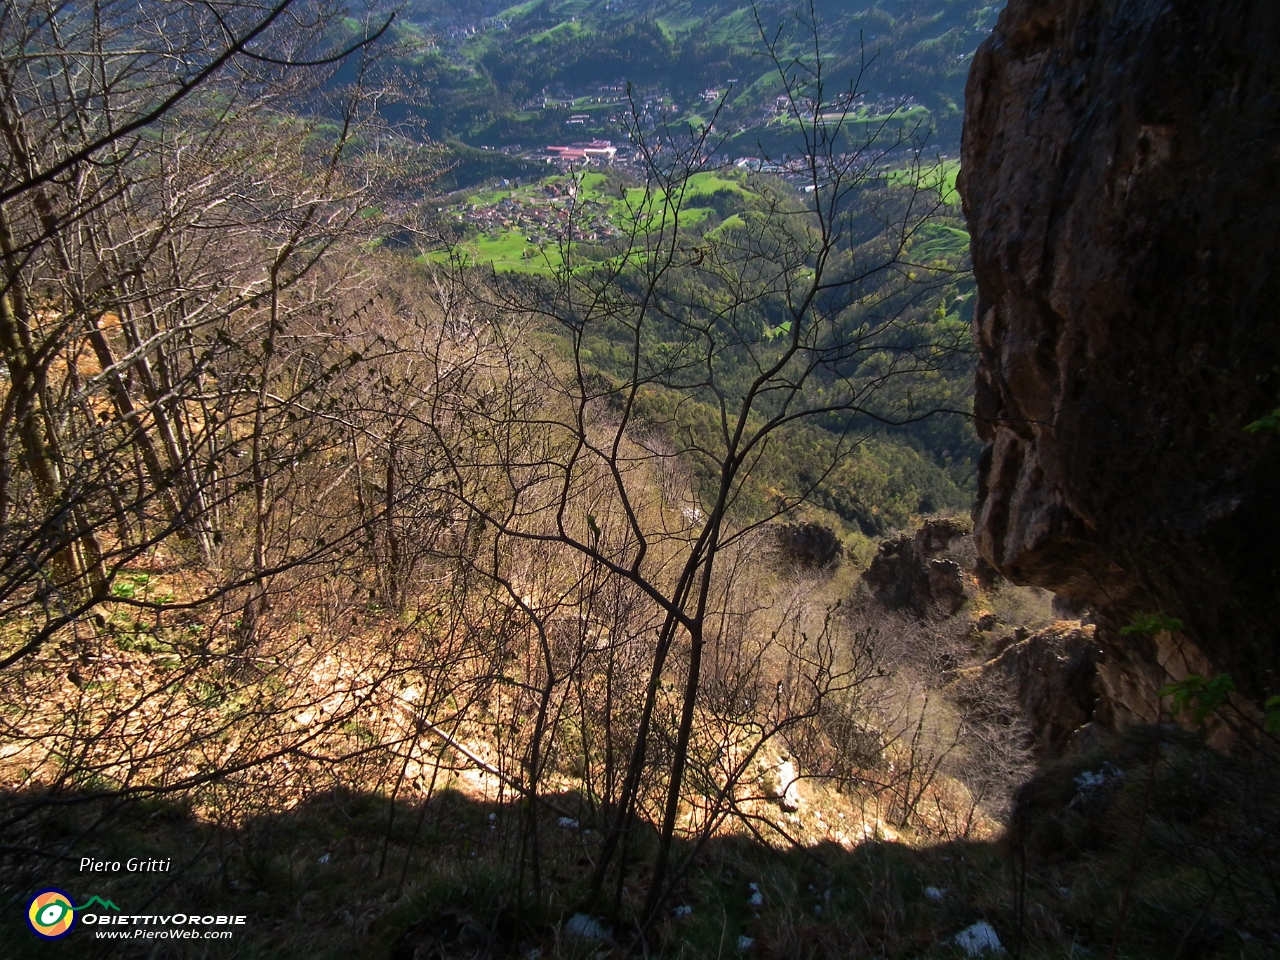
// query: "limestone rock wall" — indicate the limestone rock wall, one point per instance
point(1121, 179)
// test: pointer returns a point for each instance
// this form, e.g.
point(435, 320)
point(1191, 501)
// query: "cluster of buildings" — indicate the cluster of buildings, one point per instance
point(543, 215)
point(651, 104)
point(583, 154)
point(876, 105)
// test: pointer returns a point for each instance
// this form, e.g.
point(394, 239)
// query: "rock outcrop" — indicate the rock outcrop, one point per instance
point(908, 573)
point(1119, 176)
point(1053, 674)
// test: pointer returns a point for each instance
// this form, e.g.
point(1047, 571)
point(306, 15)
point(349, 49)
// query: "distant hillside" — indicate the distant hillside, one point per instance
point(498, 75)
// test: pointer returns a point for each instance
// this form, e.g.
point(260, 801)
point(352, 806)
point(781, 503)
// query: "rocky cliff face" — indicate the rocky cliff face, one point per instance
point(1121, 178)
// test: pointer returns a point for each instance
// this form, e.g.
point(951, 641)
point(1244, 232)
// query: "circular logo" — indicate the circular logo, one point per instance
point(51, 914)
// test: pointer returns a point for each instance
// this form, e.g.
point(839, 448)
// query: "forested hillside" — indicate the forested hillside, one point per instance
point(512, 80)
point(498, 75)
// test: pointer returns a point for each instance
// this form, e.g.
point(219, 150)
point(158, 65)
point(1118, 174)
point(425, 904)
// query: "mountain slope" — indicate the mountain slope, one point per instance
point(499, 75)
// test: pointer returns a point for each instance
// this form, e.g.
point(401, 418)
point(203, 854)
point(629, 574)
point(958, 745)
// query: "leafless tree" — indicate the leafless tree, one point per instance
point(804, 311)
point(197, 357)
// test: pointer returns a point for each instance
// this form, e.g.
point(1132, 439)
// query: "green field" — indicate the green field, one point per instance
point(509, 248)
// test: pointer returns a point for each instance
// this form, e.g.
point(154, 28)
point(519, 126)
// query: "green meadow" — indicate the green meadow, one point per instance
point(512, 249)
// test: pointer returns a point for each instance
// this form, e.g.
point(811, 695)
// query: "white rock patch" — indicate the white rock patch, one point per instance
point(979, 940)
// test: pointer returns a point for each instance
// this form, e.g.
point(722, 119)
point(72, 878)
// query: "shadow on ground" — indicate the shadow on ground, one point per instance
point(351, 875)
